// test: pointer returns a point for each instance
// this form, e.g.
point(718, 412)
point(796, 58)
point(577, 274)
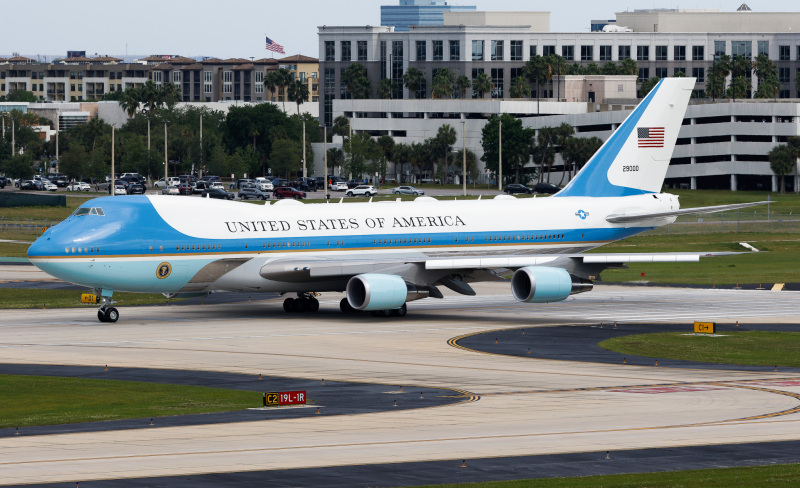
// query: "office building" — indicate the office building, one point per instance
point(418, 13)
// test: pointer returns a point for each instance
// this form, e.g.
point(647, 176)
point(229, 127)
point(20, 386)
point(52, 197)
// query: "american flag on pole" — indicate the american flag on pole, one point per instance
point(273, 46)
point(650, 136)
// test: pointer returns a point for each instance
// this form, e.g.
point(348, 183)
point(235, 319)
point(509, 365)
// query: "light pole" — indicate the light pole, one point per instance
point(304, 150)
point(166, 171)
point(464, 158)
point(325, 156)
point(113, 186)
point(57, 154)
point(500, 154)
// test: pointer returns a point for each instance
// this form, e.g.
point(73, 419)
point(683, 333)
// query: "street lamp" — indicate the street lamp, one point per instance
point(464, 159)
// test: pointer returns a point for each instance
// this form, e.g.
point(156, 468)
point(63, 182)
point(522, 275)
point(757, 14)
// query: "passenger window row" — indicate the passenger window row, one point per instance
point(524, 238)
point(73, 250)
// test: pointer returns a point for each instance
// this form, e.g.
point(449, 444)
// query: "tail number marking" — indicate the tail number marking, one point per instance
point(629, 169)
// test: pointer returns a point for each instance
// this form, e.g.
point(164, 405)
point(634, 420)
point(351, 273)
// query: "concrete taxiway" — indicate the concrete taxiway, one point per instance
point(515, 406)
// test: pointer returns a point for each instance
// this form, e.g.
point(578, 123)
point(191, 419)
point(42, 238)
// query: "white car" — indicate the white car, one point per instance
point(339, 186)
point(217, 184)
point(49, 185)
point(170, 190)
point(366, 190)
point(171, 181)
point(264, 184)
point(407, 190)
point(78, 186)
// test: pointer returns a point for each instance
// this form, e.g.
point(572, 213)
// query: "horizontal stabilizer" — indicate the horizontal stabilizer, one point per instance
point(634, 217)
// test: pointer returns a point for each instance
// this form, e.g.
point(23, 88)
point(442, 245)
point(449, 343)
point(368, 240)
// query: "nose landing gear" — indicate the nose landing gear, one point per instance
point(107, 313)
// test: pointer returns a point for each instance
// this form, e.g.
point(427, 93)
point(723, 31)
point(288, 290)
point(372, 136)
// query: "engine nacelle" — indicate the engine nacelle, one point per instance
point(372, 291)
point(542, 284)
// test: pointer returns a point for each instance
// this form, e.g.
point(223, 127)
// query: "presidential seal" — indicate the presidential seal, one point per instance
point(163, 270)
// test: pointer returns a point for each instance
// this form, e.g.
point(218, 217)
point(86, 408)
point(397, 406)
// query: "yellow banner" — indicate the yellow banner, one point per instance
point(88, 298)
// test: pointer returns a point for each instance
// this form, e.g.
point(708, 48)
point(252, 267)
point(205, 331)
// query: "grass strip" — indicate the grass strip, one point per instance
point(49, 400)
point(774, 476)
point(758, 348)
point(44, 298)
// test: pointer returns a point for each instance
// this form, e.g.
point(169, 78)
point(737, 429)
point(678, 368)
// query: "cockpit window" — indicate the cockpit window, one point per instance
point(88, 211)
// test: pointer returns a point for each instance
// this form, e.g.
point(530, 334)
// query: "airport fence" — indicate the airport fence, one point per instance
point(733, 221)
point(13, 228)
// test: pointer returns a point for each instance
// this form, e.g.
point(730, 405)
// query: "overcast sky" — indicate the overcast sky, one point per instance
point(236, 28)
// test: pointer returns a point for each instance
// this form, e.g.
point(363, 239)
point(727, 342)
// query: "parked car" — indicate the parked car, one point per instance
point(31, 185)
point(339, 186)
point(276, 182)
point(201, 186)
point(3, 181)
point(184, 189)
point(49, 185)
point(354, 183)
point(210, 178)
point(133, 179)
point(264, 184)
point(136, 189)
point(78, 186)
point(187, 178)
point(171, 181)
point(120, 188)
point(548, 188)
point(288, 192)
point(366, 190)
point(59, 180)
point(241, 181)
point(407, 190)
point(517, 188)
point(248, 192)
point(216, 184)
point(218, 192)
point(170, 190)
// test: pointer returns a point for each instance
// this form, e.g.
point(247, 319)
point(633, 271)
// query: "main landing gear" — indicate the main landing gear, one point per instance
point(305, 302)
point(107, 313)
point(345, 307)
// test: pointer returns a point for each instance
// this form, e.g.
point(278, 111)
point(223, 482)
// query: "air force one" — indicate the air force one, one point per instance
point(384, 254)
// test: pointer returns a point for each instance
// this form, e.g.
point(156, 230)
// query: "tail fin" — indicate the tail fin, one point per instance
point(635, 158)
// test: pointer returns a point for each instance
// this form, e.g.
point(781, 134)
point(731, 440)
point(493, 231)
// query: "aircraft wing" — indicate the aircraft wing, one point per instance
point(633, 217)
point(512, 262)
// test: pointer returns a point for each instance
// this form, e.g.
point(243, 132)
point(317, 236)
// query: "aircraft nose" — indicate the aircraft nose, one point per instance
point(37, 252)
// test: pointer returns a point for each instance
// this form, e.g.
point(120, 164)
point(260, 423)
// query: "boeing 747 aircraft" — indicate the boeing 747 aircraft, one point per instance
point(388, 253)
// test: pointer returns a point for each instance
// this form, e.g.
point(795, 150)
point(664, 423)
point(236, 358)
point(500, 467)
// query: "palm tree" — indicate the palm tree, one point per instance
point(149, 95)
point(358, 84)
point(443, 83)
point(298, 93)
point(445, 138)
point(520, 88)
point(558, 67)
point(271, 82)
point(279, 78)
point(482, 84)
point(462, 85)
point(385, 89)
point(413, 80)
point(536, 69)
point(562, 133)
point(341, 126)
point(95, 128)
point(781, 160)
point(130, 101)
point(740, 83)
point(628, 67)
point(170, 95)
point(768, 84)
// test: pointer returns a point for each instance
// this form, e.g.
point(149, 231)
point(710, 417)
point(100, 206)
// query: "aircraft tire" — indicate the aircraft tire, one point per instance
point(300, 305)
point(345, 306)
point(101, 316)
point(111, 314)
point(400, 312)
point(289, 305)
point(312, 305)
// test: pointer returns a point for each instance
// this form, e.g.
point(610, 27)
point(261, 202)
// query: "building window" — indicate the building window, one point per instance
point(642, 53)
point(516, 51)
point(605, 53)
point(497, 81)
point(783, 75)
point(497, 50)
point(568, 53)
point(398, 55)
point(438, 50)
point(344, 93)
point(661, 53)
point(548, 50)
point(532, 51)
point(258, 79)
point(742, 48)
point(798, 53)
point(623, 52)
point(157, 77)
point(661, 72)
point(783, 94)
point(679, 69)
point(422, 50)
point(700, 74)
point(345, 45)
point(477, 50)
point(587, 53)
point(361, 46)
point(763, 48)
point(783, 53)
point(719, 49)
point(679, 53)
point(644, 74)
point(176, 77)
point(698, 53)
point(330, 51)
point(455, 50)
point(208, 77)
point(227, 85)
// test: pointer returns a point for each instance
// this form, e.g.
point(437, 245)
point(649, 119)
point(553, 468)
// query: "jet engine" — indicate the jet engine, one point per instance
point(373, 291)
point(542, 284)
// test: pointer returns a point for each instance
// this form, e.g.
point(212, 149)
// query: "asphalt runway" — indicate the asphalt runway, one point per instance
point(520, 417)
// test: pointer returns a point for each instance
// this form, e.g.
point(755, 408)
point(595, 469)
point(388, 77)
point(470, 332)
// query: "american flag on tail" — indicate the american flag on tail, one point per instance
point(650, 136)
point(273, 46)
